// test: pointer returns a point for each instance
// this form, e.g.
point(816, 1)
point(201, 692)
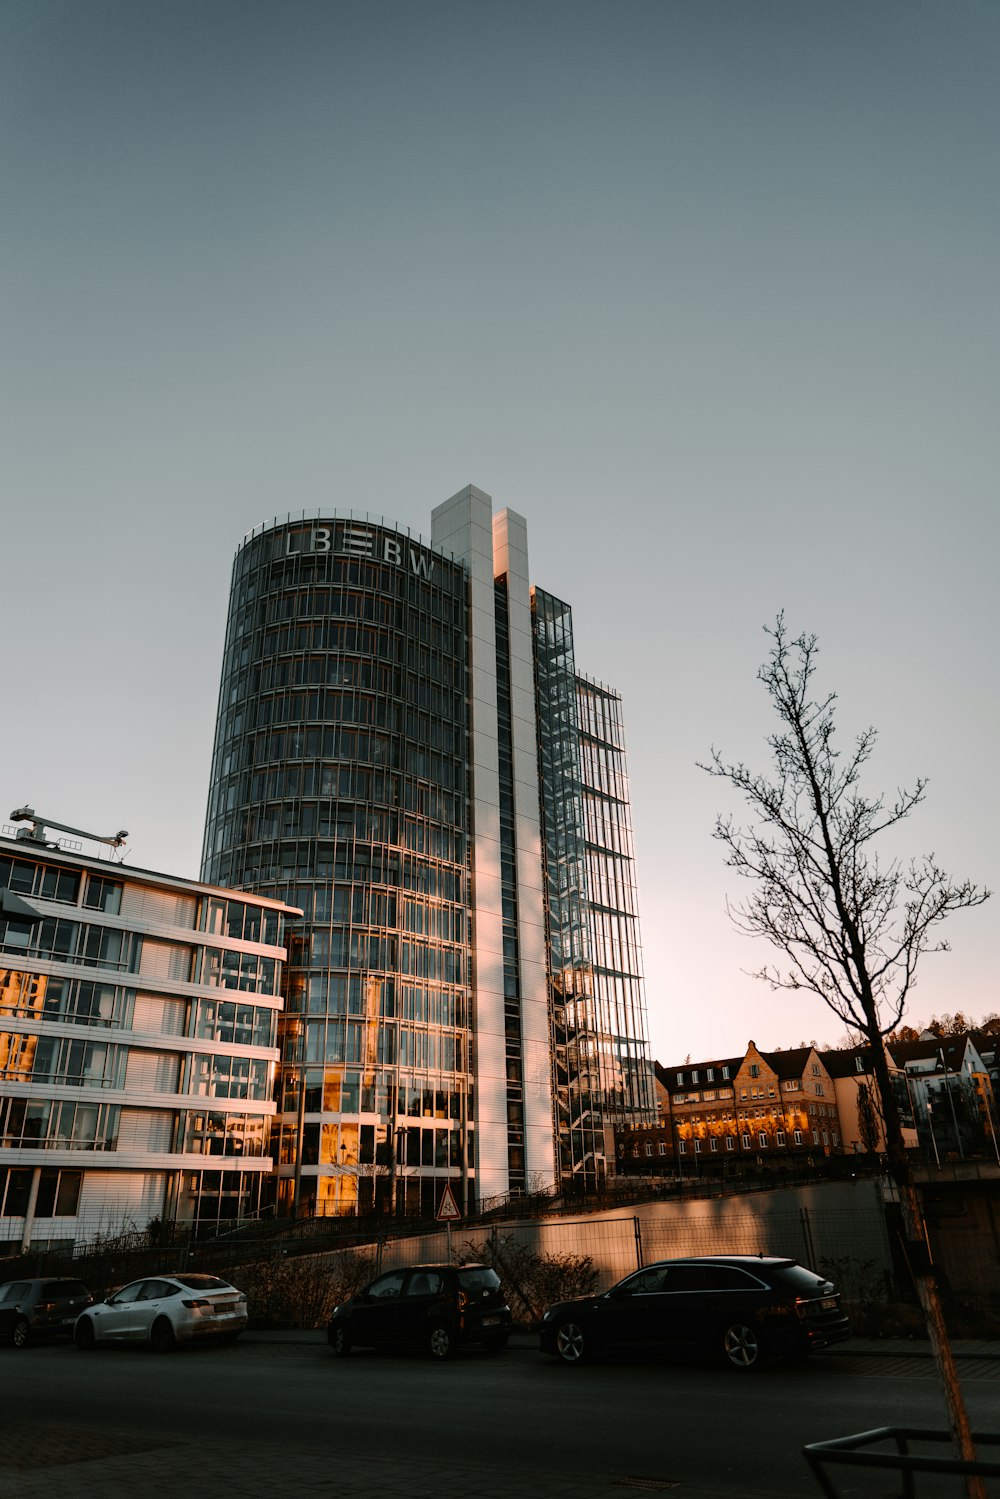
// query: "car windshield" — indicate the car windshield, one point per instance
point(800, 1280)
point(480, 1279)
point(203, 1282)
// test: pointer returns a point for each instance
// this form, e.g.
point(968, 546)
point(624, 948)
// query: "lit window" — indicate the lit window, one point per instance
point(780, 1137)
point(797, 1137)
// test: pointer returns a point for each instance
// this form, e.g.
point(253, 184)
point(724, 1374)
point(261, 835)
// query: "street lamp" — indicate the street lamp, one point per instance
point(930, 1125)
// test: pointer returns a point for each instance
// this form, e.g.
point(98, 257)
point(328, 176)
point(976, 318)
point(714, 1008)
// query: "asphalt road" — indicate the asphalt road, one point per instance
point(290, 1419)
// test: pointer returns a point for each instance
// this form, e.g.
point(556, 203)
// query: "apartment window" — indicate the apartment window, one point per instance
point(663, 1147)
point(743, 1092)
point(694, 1076)
point(680, 1079)
point(725, 1073)
point(762, 1140)
point(681, 1148)
point(697, 1147)
point(819, 1090)
point(754, 1070)
point(713, 1144)
point(710, 1075)
point(709, 1095)
point(797, 1137)
point(730, 1142)
point(815, 1136)
point(859, 1064)
point(649, 1147)
point(780, 1137)
point(815, 1069)
point(746, 1141)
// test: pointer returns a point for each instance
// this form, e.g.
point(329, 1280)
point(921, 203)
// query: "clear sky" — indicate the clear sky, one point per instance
point(708, 291)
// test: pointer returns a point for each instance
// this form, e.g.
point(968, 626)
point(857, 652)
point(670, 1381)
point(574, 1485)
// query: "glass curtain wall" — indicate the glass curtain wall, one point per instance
point(625, 1068)
point(339, 785)
point(577, 1040)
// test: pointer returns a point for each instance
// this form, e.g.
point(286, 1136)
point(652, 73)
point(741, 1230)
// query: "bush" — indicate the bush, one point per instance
point(285, 1292)
point(534, 1281)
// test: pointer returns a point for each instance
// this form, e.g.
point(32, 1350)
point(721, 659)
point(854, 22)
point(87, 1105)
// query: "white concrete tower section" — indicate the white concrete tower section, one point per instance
point(510, 556)
point(465, 526)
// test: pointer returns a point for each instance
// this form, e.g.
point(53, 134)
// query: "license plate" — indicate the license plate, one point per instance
point(68, 1321)
point(828, 1304)
point(490, 1322)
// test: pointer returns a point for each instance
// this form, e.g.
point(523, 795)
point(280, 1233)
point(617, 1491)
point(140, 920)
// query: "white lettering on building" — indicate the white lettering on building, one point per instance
point(357, 541)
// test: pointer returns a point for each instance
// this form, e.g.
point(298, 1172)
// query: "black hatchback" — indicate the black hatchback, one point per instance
point(739, 1308)
point(437, 1308)
point(32, 1309)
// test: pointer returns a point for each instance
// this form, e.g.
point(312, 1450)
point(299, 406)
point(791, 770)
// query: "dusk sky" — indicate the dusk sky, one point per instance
point(708, 291)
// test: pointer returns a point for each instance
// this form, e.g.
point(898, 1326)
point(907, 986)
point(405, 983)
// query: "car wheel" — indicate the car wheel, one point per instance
point(571, 1342)
point(161, 1337)
point(742, 1347)
point(22, 1333)
point(440, 1341)
point(495, 1342)
point(84, 1335)
point(340, 1340)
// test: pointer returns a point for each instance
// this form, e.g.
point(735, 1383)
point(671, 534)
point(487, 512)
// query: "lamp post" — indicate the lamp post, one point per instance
point(930, 1125)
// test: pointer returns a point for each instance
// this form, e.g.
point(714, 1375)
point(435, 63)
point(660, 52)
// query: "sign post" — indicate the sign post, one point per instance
point(448, 1212)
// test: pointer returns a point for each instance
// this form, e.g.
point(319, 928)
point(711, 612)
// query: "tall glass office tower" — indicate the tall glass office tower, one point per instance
point(405, 751)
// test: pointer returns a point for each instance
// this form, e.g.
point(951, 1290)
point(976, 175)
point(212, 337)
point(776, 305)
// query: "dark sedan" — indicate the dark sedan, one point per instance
point(740, 1308)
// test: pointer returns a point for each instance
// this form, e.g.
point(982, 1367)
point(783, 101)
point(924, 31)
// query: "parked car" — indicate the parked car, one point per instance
point(31, 1309)
point(740, 1308)
point(438, 1308)
point(164, 1310)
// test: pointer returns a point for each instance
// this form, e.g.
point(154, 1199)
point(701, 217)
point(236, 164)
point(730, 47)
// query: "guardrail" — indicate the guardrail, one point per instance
point(855, 1452)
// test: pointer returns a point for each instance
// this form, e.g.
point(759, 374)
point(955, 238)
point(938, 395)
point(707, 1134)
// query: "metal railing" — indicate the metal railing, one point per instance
point(855, 1452)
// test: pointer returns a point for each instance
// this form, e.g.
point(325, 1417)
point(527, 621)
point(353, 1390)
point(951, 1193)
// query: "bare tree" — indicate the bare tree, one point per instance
point(850, 927)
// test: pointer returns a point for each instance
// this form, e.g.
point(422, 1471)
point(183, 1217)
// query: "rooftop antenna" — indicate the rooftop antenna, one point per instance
point(36, 833)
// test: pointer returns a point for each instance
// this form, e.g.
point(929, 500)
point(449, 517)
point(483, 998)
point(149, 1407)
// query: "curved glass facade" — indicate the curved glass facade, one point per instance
point(339, 784)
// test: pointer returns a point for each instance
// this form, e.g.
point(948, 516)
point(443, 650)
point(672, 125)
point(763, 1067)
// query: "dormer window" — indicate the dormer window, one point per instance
point(694, 1075)
point(859, 1064)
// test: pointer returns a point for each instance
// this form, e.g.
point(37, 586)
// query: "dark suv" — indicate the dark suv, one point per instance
point(434, 1307)
point(40, 1309)
point(741, 1308)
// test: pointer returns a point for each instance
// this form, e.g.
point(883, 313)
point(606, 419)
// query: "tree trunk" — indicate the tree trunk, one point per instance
point(918, 1257)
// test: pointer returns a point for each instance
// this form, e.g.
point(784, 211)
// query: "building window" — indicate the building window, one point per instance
point(713, 1144)
point(815, 1069)
point(649, 1147)
point(819, 1090)
point(815, 1136)
point(694, 1075)
point(710, 1075)
point(797, 1137)
point(681, 1148)
point(680, 1079)
point(697, 1147)
point(780, 1137)
point(746, 1141)
point(730, 1142)
point(859, 1064)
point(754, 1070)
point(663, 1147)
point(725, 1073)
point(762, 1140)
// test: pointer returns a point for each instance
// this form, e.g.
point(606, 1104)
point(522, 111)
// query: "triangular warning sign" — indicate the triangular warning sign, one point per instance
point(448, 1211)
